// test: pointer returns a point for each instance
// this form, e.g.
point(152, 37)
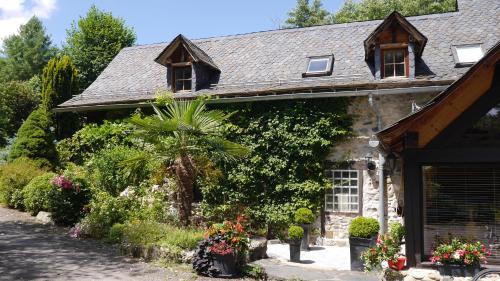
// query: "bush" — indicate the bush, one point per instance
point(68, 197)
point(295, 232)
point(36, 194)
point(304, 216)
point(91, 139)
point(116, 233)
point(362, 227)
point(35, 139)
point(109, 173)
point(14, 177)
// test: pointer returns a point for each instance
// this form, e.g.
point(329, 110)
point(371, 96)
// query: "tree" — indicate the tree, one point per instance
point(18, 99)
point(94, 41)
point(35, 139)
point(26, 53)
point(59, 84)
point(378, 9)
point(186, 137)
point(304, 14)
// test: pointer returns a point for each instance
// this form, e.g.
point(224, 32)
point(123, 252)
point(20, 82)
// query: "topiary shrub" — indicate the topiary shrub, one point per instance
point(295, 232)
point(304, 216)
point(68, 197)
point(362, 227)
point(35, 139)
point(14, 176)
point(36, 194)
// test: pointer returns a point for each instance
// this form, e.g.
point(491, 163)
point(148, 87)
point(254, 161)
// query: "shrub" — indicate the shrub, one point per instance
point(14, 177)
point(91, 139)
point(116, 233)
point(36, 193)
point(295, 232)
point(105, 211)
point(109, 173)
point(35, 139)
point(304, 216)
point(362, 227)
point(68, 197)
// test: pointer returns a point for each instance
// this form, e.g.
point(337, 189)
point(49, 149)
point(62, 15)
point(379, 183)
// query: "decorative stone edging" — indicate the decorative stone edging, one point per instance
point(418, 274)
point(153, 252)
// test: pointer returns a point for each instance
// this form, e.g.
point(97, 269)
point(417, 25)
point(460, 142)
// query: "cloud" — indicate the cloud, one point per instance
point(13, 13)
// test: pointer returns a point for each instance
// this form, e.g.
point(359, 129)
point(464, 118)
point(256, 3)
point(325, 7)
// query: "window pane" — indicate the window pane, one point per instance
point(337, 182)
point(400, 70)
point(354, 191)
point(336, 174)
point(179, 85)
point(399, 56)
point(388, 70)
point(354, 174)
point(345, 174)
point(388, 57)
point(469, 53)
point(187, 85)
point(354, 182)
point(318, 65)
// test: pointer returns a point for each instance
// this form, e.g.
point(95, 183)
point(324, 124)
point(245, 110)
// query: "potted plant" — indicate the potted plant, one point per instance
point(304, 217)
point(362, 235)
point(226, 242)
point(459, 258)
point(295, 235)
point(386, 252)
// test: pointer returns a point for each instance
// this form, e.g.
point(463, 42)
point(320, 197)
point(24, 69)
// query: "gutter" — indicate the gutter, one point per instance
point(274, 97)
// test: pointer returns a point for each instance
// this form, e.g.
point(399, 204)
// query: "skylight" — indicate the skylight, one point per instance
point(317, 66)
point(467, 54)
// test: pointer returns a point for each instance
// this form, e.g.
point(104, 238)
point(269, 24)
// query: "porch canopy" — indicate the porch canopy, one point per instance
point(450, 155)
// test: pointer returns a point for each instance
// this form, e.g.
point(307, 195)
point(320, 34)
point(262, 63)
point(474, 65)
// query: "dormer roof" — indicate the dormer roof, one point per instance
point(197, 54)
point(395, 19)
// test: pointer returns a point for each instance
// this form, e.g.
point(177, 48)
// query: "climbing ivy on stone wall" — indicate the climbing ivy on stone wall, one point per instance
point(289, 141)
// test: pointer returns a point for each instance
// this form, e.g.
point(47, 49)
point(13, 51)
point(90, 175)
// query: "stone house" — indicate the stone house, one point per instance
point(387, 67)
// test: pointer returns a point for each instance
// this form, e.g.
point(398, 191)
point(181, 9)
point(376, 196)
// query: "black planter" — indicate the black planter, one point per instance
point(225, 264)
point(357, 247)
point(294, 250)
point(304, 244)
point(457, 270)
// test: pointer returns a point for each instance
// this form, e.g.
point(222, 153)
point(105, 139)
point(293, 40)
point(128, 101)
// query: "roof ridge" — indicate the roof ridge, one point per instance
point(296, 29)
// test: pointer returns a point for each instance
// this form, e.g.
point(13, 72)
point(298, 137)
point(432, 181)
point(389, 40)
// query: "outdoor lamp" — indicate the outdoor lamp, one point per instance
point(370, 165)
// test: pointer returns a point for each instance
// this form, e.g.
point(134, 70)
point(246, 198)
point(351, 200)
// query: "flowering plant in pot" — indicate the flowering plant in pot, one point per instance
point(386, 252)
point(304, 217)
point(295, 235)
point(223, 244)
point(459, 257)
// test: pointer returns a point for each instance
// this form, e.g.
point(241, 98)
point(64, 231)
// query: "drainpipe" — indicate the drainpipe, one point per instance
point(381, 176)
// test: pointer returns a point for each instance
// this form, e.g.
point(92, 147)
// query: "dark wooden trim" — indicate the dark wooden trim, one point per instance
point(411, 210)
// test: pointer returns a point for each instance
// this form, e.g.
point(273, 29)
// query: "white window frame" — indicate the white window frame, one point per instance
point(327, 71)
point(330, 202)
point(456, 57)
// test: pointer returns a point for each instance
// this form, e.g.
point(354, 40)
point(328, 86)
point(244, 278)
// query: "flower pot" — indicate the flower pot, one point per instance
point(357, 247)
point(399, 265)
point(304, 245)
point(295, 250)
point(459, 270)
point(225, 264)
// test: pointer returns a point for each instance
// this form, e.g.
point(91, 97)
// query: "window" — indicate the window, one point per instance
point(467, 54)
point(344, 197)
point(318, 66)
point(182, 79)
point(394, 64)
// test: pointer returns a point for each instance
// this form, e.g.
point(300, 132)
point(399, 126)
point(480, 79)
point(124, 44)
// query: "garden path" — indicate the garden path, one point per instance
point(32, 251)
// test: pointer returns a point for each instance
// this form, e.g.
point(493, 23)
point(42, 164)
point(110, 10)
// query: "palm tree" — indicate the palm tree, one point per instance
point(186, 136)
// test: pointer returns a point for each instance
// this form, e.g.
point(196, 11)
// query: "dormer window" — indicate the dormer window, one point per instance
point(319, 66)
point(182, 78)
point(394, 63)
point(467, 54)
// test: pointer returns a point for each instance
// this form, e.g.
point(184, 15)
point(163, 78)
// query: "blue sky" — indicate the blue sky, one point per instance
point(156, 20)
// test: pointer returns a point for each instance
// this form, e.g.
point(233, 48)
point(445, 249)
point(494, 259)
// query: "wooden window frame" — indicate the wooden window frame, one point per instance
point(332, 191)
point(406, 62)
point(174, 79)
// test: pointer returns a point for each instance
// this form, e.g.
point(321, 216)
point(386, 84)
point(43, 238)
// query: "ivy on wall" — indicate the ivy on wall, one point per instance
point(289, 141)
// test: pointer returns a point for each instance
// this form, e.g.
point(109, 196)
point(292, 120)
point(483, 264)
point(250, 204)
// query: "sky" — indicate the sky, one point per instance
point(155, 20)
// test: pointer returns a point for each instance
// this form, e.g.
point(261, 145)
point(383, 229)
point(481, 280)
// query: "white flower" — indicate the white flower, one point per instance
point(384, 264)
point(155, 188)
point(127, 192)
point(456, 255)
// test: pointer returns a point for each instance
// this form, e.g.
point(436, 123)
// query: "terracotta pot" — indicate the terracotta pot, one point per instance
point(399, 265)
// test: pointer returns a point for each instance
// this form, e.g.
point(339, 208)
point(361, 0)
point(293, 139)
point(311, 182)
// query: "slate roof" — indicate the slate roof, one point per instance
point(273, 61)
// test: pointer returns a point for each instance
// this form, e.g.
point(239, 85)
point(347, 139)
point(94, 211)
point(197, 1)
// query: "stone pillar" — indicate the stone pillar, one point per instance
point(411, 60)
point(378, 62)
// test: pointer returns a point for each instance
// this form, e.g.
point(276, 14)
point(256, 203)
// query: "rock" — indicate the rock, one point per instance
point(44, 217)
point(418, 274)
point(434, 275)
point(187, 256)
point(257, 249)
point(409, 278)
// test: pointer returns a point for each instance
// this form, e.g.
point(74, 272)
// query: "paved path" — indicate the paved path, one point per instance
point(322, 257)
point(31, 251)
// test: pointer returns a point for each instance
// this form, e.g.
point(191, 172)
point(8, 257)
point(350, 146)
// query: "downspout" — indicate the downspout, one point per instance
point(381, 175)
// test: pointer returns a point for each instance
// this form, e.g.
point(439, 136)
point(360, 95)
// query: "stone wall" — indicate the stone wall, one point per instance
point(390, 108)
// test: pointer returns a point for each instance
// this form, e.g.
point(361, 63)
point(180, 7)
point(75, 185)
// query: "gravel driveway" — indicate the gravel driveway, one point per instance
point(32, 251)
